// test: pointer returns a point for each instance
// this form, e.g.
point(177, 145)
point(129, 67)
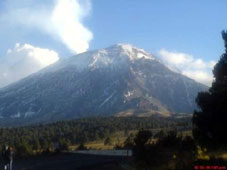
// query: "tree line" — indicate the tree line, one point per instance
point(34, 139)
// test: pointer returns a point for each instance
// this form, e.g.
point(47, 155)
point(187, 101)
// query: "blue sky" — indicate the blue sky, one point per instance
point(182, 33)
point(188, 26)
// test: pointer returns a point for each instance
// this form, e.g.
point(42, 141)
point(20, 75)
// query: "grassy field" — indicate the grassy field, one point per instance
point(118, 138)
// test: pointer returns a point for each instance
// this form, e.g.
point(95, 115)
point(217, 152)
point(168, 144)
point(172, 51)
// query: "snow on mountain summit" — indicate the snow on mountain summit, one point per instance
point(133, 52)
point(112, 56)
point(118, 80)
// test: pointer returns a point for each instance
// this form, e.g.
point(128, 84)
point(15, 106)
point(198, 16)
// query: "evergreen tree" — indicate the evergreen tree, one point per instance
point(210, 122)
point(141, 140)
point(142, 137)
point(129, 143)
point(108, 141)
point(36, 145)
point(81, 147)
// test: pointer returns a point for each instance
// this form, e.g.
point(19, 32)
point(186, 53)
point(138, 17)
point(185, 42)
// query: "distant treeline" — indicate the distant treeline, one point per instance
point(46, 137)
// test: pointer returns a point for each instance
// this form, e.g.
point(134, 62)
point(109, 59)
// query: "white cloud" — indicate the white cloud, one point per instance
point(188, 65)
point(200, 76)
point(24, 60)
point(63, 20)
point(66, 19)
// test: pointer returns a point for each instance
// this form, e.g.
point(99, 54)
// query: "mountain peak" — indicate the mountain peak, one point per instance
point(131, 51)
point(119, 80)
point(125, 46)
point(113, 56)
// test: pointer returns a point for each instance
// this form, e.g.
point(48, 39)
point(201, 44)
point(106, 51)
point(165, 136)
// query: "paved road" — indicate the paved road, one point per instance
point(70, 161)
point(122, 152)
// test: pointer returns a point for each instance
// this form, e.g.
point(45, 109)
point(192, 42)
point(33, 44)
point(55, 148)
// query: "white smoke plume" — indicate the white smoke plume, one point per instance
point(61, 19)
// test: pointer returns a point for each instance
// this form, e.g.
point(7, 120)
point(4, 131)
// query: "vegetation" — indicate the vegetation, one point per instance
point(32, 140)
point(209, 122)
point(157, 142)
point(207, 150)
point(171, 151)
point(108, 141)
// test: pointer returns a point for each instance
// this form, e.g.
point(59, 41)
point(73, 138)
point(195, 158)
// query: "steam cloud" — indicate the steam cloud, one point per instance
point(62, 19)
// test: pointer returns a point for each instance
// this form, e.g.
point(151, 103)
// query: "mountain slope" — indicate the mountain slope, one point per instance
point(121, 80)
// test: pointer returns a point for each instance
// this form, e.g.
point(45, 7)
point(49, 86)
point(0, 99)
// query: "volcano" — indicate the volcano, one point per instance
point(120, 80)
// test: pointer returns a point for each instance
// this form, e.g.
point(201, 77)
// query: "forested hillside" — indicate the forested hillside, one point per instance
point(39, 138)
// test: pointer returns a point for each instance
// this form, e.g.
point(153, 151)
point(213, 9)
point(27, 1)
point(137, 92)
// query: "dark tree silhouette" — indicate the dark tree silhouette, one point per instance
point(210, 122)
point(141, 140)
point(107, 141)
point(142, 137)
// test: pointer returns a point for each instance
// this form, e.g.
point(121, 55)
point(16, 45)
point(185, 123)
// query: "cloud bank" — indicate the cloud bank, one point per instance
point(61, 19)
point(196, 69)
point(24, 60)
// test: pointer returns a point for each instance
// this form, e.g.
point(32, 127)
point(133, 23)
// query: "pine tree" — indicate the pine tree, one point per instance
point(108, 141)
point(210, 122)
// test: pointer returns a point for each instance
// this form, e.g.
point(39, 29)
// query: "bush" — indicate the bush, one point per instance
point(108, 141)
point(24, 150)
point(81, 147)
